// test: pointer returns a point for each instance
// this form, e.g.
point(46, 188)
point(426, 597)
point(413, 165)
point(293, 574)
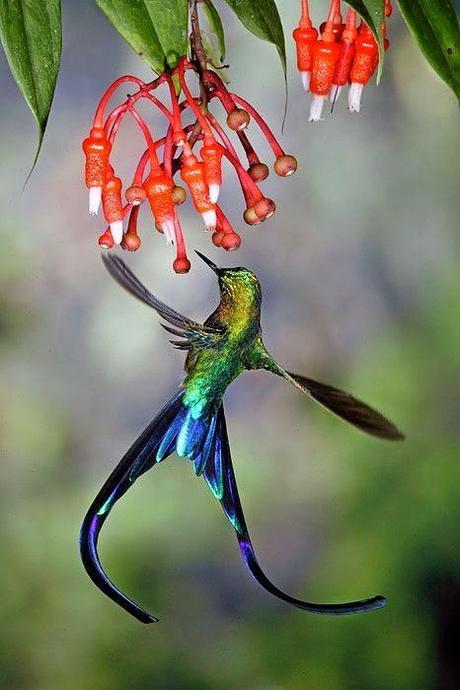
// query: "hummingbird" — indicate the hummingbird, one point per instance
point(192, 423)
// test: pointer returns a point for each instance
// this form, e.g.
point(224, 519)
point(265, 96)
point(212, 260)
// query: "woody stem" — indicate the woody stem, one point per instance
point(195, 37)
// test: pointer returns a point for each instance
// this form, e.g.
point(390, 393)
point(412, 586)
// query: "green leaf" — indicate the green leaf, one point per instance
point(31, 36)
point(155, 29)
point(434, 26)
point(373, 13)
point(261, 18)
point(215, 25)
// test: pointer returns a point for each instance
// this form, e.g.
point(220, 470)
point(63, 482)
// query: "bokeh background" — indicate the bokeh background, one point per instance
point(360, 270)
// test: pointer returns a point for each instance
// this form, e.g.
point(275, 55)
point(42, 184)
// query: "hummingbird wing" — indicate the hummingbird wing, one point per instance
point(220, 477)
point(194, 334)
point(345, 406)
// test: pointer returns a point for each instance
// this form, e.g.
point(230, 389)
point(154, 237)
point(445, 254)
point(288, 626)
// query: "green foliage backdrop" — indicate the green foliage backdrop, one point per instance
point(361, 288)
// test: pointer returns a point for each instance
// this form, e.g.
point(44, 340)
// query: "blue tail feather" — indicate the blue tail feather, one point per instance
point(232, 507)
point(172, 429)
point(205, 442)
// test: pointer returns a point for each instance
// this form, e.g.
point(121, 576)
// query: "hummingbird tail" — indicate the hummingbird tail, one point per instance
point(222, 467)
point(174, 429)
point(205, 443)
point(140, 457)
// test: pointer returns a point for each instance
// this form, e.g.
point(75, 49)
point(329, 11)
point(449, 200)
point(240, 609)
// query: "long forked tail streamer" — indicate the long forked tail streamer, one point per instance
point(232, 507)
point(139, 458)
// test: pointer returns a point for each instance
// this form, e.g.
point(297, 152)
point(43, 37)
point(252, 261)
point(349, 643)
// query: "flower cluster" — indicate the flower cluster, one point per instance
point(339, 54)
point(188, 125)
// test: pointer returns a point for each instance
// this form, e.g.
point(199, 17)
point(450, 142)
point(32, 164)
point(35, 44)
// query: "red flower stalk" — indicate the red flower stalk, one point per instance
point(131, 240)
point(199, 164)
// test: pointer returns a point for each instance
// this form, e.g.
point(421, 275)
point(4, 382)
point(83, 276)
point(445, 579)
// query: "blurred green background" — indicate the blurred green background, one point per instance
point(360, 270)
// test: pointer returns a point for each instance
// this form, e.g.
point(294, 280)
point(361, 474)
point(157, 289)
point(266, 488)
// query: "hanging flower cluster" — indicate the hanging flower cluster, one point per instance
point(193, 146)
point(339, 54)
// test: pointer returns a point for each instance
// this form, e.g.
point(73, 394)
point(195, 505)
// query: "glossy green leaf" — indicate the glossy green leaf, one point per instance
point(215, 25)
point(261, 18)
point(435, 27)
point(373, 13)
point(31, 36)
point(155, 29)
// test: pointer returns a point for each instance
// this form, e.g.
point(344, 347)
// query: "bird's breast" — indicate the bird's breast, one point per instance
point(211, 374)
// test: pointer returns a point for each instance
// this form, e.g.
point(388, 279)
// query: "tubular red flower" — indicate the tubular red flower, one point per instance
point(159, 193)
point(97, 151)
point(305, 37)
point(202, 176)
point(346, 55)
point(325, 56)
point(364, 63)
point(212, 158)
point(113, 205)
point(193, 174)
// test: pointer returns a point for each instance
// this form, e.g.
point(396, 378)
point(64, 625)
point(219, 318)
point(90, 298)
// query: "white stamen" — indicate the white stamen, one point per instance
point(354, 97)
point(316, 108)
point(95, 195)
point(306, 76)
point(116, 229)
point(214, 190)
point(334, 93)
point(210, 220)
point(168, 230)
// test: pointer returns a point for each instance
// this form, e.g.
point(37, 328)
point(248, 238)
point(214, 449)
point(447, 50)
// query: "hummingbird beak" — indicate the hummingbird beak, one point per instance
point(207, 261)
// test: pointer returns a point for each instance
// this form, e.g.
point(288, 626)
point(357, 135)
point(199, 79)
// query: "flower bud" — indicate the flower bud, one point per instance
point(258, 171)
point(285, 165)
point(135, 195)
point(179, 195)
point(231, 241)
point(217, 238)
point(130, 242)
point(250, 216)
point(265, 208)
point(181, 265)
point(238, 119)
point(106, 240)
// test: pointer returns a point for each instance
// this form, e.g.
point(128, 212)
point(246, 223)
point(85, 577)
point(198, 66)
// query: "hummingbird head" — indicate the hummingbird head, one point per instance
point(237, 279)
point(236, 283)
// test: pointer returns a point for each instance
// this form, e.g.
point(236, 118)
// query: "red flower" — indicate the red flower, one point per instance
point(201, 171)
